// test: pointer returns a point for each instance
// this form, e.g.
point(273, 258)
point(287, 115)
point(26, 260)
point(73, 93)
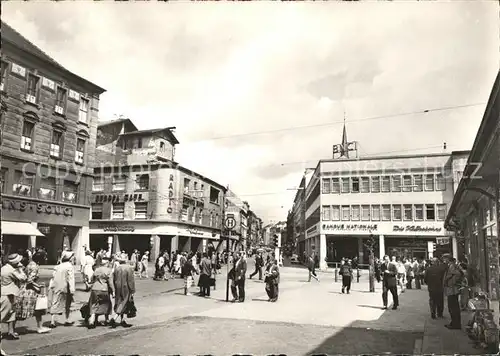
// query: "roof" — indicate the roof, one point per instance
point(12, 36)
point(385, 157)
point(167, 130)
point(112, 122)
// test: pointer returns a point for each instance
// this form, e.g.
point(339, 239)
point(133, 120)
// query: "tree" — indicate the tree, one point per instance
point(370, 245)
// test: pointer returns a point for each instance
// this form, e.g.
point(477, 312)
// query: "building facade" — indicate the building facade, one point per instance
point(402, 200)
point(298, 214)
point(474, 216)
point(48, 127)
point(239, 210)
point(142, 199)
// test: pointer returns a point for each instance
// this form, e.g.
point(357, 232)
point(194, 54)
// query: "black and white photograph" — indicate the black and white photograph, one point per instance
point(250, 177)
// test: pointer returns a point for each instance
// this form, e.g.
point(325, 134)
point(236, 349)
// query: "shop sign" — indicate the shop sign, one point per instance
point(170, 194)
point(119, 228)
point(36, 207)
point(416, 228)
point(350, 227)
point(195, 232)
point(443, 240)
point(115, 198)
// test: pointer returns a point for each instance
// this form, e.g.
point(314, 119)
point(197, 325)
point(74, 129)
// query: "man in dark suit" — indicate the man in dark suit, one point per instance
point(389, 271)
point(433, 277)
point(240, 270)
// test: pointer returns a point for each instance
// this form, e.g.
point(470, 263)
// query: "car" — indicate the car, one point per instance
point(294, 259)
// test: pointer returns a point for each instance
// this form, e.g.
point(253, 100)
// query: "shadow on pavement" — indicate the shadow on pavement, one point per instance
point(260, 300)
point(370, 306)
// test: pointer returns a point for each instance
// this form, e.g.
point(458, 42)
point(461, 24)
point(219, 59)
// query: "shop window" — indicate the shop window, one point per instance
point(376, 212)
point(408, 212)
point(141, 210)
point(3, 179)
point(24, 185)
point(346, 213)
point(80, 150)
point(117, 211)
point(345, 185)
point(83, 112)
point(70, 192)
point(56, 144)
point(365, 184)
point(365, 213)
point(355, 212)
point(326, 212)
point(61, 96)
point(335, 185)
point(336, 213)
point(419, 212)
point(386, 184)
point(326, 185)
point(142, 182)
point(98, 185)
point(184, 212)
point(119, 183)
point(429, 182)
point(386, 212)
point(27, 135)
point(430, 212)
point(441, 212)
point(186, 185)
point(32, 88)
point(214, 195)
point(375, 184)
point(96, 211)
point(47, 188)
point(396, 212)
point(440, 182)
point(396, 183)
point(419, 183)
point(407, 183)
point(355, 185)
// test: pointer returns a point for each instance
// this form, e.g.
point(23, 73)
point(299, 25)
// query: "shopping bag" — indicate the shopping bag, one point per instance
point(131, 309)
point(42, 302)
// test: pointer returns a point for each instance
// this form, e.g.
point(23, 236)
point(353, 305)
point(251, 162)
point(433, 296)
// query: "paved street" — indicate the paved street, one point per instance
point(308, 318)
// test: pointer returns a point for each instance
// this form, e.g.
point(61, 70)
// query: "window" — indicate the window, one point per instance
point(56, 144)
point(355, 212)
point(84, 110)
point(419, 183)
point(117, 211)
point(346, 212)
point(376, 212)
point(396, 183)
point(214, 195)
point(3, 74)
point(336, 213)
point(441, 212)
point(355, 185)
point(345, 185)
point(98, 185)
point(419, 212)
point(365, 212)
point(375, 184)
point(96, 211)
point(184, 212)
point(211, 219)
point(217, 222)
point(407, 183)
point(430, 213)
point(119, 182)
point(386, 212)
point(162, 146)
point(326, 185)
point(47, 188)
point(32, 88)
point(3, 179)
point(186, 185)
point(60, 101)
point(27, 135)
point(326, 212)
point(386, 184)
point(396, 213)
point(141, 210)
point(70, 192)
point(429, 182)
point(365, 184)
point(200, 216)
point(142, 182)
point(440, 182)
point(24, 183)
point(408, 211)
point(335, 185)
point(80, 150)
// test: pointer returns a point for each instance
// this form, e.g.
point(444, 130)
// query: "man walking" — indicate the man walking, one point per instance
point(346, 273)
point(452, 282)
point(433, 277)
point(389, 272)
point(259, 263)
point(205, 274)
point(311, 266)
point(240, 271)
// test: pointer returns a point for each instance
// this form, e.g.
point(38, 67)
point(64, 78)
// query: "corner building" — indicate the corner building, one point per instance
point(49, 123)
point(401, 200)
point(142, 199)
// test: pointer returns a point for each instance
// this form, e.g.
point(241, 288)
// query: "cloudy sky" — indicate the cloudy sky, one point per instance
point(223, 72)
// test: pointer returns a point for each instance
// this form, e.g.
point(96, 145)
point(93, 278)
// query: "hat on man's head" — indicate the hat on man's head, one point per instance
point(66, 256)
point(14, 259)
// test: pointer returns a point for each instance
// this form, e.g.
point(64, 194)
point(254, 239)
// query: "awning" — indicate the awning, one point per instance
point(19, 228)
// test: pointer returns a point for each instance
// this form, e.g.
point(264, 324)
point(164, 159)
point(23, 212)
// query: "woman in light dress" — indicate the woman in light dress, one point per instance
point(87, 269)
point(62, 289)
point(144, 265)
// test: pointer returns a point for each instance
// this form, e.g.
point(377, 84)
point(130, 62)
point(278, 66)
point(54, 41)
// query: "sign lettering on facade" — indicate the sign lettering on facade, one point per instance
point(170, 194)
point(195, 232)
point(416, 228)
point(37, 207)
point(115, 198)
point(350, 227)
point(111, 228)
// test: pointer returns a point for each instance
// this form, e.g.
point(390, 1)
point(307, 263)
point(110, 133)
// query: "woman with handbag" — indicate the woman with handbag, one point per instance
point(101, 292)
point(124, 289)
point(32, 300)
point(62, 288)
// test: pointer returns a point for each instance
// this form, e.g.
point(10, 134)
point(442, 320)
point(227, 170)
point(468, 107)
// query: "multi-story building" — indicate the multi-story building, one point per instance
point(402, 200)
point(298, 213)
point(239, 209)
point(142, 199)
point(49, 125)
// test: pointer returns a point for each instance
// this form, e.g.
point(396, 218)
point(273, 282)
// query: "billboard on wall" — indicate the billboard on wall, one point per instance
point(383, 228)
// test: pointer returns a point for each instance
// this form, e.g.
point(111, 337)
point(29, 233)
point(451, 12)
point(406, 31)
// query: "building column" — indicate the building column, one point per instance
point(430, 249)
point(174, 243)
point(454, 247)
point(381, 246)
point(81, 239)
point(116, 244)
point(32, 239)
point(322, 252)
point(361, 256)
point(203, 245)
point(155, 249)
point(187, 245)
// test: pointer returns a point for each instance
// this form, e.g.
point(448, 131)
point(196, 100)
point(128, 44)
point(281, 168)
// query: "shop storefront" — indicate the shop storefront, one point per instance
point(28, 223)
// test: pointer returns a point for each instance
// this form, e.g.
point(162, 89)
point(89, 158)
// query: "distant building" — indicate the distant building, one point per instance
point(298, 213)
point(239, 209)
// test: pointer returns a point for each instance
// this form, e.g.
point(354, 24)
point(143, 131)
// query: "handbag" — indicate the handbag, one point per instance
point(131, 309)
point(35, 287)
point(42, 302)
point(85, 311)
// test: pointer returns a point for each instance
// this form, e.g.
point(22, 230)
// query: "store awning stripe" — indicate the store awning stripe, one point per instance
point(19, 228)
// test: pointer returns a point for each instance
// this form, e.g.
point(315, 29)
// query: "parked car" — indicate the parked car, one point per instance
point(294, 259)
